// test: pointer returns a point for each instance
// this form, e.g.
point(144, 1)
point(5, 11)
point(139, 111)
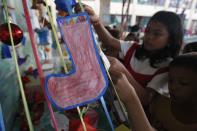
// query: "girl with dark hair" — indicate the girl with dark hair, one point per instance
point(146, 64)
point(159, 51)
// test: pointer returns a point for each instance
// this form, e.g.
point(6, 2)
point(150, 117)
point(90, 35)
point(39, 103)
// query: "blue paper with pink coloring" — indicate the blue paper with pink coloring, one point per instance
point(87, 81)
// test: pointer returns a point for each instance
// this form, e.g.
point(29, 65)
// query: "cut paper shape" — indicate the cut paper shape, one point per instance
point(88, 81)
point(43, 34)
point(5, 52)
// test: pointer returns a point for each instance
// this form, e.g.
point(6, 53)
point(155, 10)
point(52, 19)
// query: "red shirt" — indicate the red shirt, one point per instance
point(142, 79)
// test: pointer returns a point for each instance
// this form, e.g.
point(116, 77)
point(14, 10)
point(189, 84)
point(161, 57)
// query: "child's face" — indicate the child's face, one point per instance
point(182, 86)
point(156, 36)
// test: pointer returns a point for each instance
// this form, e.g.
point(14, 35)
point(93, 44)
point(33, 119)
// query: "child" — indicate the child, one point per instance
point(146, 64)
point(177, 113)
point(44, 34)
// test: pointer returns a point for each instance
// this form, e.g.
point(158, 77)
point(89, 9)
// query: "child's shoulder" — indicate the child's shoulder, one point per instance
point(162, 117)
point(160, 104)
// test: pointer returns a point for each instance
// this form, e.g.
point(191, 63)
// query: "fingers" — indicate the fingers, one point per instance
point(115, 75)
point(112, 60)
point(93, 17)
point(114, 72)
point(87, 8)
point(77, 8)
point(116, 64)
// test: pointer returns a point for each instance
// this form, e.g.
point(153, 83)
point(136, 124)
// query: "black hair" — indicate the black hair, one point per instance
point(134, 28)
point(190, 47)
point(114, 32)
point(131, 37)
point(187, 61)
point(173, 24)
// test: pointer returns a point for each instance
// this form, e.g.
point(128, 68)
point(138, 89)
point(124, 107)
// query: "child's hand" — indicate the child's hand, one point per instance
point(122, 85)
point(116, 65)
point(93, 17)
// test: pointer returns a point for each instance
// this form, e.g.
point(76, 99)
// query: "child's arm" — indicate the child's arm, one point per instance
point(103, 34)
point(137, 117)
point(143, 94)
point(106, 37)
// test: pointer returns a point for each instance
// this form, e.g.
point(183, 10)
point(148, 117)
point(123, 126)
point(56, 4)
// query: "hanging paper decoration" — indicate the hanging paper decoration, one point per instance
point(22, 60)
point(43, 35)
point(5, 52)
point(87, 82)
point(5, 36)
point(65, 5)
point(23, 41)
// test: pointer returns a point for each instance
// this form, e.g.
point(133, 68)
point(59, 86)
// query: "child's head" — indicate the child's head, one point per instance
point(183, 80)
point(190, 47)
point(164, 30)
point(163, 37)
point(131, 37)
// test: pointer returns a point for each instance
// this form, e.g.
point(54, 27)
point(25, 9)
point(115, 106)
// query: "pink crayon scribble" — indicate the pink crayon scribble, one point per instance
point(88, 81)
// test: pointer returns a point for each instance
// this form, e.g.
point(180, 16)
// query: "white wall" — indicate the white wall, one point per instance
point(145, 10)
